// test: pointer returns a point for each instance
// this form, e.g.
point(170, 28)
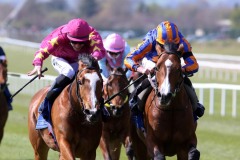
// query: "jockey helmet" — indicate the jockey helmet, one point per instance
point(167, 31)
point(114, 43)
point(77, 30)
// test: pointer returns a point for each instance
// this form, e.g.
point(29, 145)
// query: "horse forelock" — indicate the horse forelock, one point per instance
point(88, 61)
point(117, 71)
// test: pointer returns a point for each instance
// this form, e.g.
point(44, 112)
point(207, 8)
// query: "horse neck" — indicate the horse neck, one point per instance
point(181, 100)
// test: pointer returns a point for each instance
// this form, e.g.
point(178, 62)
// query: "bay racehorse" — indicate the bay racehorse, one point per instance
point(116, 130)
point(169, 121)
point(3, 100)
point(75, 115)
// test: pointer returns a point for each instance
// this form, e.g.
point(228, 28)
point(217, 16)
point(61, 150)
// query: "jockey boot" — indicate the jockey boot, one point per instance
point(198, 108)
point(45, 107)
point(137, 118)
point(104, 111)
point(133, 102)
point(8, 97)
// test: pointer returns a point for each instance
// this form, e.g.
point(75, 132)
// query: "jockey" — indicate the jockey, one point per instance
point(147, 51)
point(65, 43)
point(116, 50)
point(6, 90)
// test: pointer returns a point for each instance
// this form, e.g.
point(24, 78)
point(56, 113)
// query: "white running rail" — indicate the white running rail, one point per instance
point(206, 92)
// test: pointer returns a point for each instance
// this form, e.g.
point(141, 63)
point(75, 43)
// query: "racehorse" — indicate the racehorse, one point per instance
point(116, 130)
point(3, 100)
point(75, 116)
point(169, 121)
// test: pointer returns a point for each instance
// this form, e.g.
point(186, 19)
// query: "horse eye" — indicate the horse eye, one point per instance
point(81, 81)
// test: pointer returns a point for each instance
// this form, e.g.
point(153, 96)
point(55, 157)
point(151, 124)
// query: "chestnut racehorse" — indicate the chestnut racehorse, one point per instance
point(75, 115)
point(168, 115)
point(3, 100)
point(116, 130)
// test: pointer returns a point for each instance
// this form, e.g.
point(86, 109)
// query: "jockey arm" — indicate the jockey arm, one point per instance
point(96, 45)
point(191, 65)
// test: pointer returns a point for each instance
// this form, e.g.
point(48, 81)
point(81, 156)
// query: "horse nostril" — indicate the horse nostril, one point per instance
point(169, 95)
point(159, 94)
point(113, 107)
point(87, 111)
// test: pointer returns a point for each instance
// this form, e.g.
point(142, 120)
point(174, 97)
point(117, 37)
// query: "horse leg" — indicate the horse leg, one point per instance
point(158, 155)
point(129, 148)
point(65, 149)
point(193, 154)
point(38, 144)
point(104, 146)
point(110, 149)
point(91, 155)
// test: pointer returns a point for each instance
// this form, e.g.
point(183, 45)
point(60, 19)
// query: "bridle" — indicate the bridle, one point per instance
point(78, 84)
point(125, 97)
point(177, 86)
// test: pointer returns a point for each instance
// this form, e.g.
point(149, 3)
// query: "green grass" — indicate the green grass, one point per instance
point(218, 137)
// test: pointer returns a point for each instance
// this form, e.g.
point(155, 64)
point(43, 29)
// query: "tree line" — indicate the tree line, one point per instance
point(39, 18)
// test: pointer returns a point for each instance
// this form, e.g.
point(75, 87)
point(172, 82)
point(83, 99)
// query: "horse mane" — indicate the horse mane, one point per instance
point(88, 60)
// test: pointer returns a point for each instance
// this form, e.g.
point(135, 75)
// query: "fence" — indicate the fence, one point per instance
point(224, 68)
point(212, 90)
point(208, 92)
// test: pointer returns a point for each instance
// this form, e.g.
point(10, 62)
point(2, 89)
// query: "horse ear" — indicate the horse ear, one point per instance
point(180, 48)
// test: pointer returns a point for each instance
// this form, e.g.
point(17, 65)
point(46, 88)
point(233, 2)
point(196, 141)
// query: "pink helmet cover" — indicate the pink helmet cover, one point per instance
point(114, 43)
point(77, 30)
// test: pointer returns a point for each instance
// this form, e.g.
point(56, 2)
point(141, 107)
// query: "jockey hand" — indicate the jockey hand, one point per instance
point(143, 70)
point(37, 69)
point(104, 80)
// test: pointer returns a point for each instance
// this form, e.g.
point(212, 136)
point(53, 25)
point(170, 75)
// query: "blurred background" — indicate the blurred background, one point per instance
point(199, 20)
point(212, 27)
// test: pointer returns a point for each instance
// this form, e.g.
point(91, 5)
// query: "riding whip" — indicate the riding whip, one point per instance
point(113, 96)
point(45, 69)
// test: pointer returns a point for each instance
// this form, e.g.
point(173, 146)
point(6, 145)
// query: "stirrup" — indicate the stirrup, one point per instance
point(41, 122)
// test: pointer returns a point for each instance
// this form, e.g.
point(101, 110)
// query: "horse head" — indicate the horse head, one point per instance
point(3, 74)
point(116, 82)
point(89, 87)
point(169, 77)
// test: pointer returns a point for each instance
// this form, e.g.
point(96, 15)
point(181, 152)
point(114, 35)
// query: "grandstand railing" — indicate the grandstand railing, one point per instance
point(214, 96)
